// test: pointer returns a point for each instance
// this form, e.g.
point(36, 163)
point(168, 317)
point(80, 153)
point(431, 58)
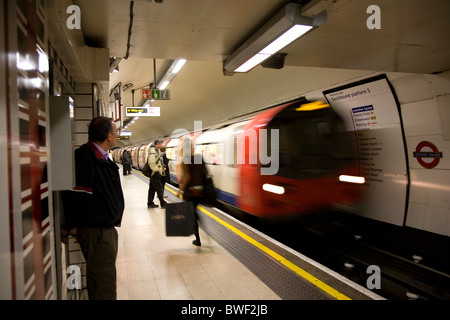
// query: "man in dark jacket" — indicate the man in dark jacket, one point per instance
point(95, 207)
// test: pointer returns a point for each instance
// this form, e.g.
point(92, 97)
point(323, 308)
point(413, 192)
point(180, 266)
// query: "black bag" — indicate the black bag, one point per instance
point(209, 191)
point(146, 170)
point(180, 219)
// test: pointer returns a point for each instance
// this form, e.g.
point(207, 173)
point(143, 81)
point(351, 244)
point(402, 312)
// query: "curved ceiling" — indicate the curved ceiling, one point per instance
point(414, 38)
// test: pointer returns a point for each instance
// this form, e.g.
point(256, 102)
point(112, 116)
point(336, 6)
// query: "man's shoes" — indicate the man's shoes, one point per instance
point(152, 205)
point(196, 243)
point(163, 206)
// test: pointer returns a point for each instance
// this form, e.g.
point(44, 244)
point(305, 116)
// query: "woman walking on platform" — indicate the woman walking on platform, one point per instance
point(193, 173)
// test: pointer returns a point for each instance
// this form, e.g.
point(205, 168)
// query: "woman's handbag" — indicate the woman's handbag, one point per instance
point(180, 219)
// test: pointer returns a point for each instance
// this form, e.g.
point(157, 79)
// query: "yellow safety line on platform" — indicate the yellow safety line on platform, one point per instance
point(304, 274)
point(320, 284)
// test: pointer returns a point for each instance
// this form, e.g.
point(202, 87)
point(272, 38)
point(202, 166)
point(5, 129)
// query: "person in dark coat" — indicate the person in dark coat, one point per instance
point(95, 207)
point(193, 174)
point(126, 162)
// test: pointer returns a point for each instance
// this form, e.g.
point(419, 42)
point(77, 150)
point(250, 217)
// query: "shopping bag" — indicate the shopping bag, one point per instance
point(180, 219)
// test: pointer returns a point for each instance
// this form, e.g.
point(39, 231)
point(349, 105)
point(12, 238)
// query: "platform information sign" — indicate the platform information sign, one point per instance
point(370, 109)
point(143, 111)
point(155, 94)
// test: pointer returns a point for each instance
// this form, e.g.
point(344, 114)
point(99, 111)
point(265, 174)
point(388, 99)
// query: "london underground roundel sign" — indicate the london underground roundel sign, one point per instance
point(427, 154)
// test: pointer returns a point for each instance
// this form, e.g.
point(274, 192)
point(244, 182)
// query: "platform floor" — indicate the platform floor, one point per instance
point(151, 266)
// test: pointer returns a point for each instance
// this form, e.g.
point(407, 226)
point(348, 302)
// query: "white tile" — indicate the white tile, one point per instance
point(421, 118)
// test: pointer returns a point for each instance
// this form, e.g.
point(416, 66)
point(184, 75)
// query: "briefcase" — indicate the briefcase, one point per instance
point(180, 219)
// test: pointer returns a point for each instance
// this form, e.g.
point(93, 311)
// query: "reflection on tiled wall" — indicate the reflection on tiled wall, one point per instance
point(32, 248)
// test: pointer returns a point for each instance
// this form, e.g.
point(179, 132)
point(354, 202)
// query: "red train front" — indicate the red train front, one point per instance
point(316, 166)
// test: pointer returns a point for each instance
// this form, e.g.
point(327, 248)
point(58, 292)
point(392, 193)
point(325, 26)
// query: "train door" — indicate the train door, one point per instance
point(230, 189)
point(171, 152)
point(142, 155)
point(210, 145)
point(134, 157)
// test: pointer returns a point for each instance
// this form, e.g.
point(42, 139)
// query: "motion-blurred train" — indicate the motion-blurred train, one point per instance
point(293, 158)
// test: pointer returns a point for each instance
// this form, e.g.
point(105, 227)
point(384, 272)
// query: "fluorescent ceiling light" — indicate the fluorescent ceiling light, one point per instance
point(288, 37)
point(281, 30)
point(164, 85)
point(127, 86)
point(174, 68)
point(253, 62)
point(178, 65)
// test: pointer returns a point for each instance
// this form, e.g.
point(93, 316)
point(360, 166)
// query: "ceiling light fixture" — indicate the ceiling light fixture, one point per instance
point(281, 30)
point(128, 86)
point(174, 68)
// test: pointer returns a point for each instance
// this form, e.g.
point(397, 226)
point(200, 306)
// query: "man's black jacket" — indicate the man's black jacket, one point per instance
point(97, 199)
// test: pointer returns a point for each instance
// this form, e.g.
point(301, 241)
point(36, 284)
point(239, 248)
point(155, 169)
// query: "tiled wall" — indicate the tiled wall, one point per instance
point(37, 264)
point(425, 106)
point(84, 109)
point(30, 202)
point(84, 112)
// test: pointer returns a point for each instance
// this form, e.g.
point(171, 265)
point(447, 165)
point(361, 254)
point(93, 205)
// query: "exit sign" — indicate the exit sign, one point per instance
point(155, 94)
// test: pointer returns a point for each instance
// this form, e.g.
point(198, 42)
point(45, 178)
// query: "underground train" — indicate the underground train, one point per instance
point(289, 159)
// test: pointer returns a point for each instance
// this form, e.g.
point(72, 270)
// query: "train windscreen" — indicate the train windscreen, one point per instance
point(312, 143)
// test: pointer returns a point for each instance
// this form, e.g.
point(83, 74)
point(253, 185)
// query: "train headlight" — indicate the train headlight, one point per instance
point(273, 188)
point(352, 179)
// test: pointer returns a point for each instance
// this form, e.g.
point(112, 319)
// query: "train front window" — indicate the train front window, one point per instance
point(312, 144)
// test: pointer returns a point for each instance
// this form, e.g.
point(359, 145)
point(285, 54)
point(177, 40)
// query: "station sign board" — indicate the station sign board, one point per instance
point(155, 94)
point(143, 111)
point(369, 109)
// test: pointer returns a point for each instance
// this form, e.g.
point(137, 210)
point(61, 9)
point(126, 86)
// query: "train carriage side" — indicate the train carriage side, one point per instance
point(171, 152)
point(134, 156)
point(210, 145)
point(143, 155)
point(218, 147)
